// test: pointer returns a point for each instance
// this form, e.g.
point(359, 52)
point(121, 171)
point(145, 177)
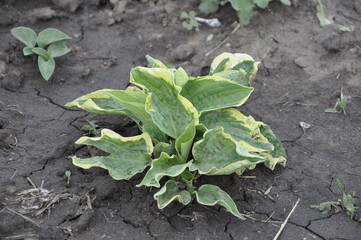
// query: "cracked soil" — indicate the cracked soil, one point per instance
point(303, 67)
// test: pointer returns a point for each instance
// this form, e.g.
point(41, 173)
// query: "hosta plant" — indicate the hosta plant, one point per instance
point(190, 128)
point(244, 8)
point(46, 46)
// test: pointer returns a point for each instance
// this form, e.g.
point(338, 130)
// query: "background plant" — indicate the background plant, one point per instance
point(340, 105)
point(46, 46)
point(190, 21)
point(347, 202)
point(91, 128)
point(190, 128)
point(244, 8)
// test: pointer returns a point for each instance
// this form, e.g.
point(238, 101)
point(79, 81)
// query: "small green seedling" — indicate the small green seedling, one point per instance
point(92, 128)
point(190, 20)
point(68, 175)
point(243, 7)
point(46, 46)
point(347, 202)
point(326, 18)
point(340, 104)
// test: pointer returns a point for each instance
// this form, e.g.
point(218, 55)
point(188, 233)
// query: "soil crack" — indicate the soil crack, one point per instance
point(306, 227)
point(54, 103)
point(226, 229)
point(72, 122)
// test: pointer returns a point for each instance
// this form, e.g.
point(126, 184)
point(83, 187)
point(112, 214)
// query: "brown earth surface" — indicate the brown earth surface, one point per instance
point(303, 67)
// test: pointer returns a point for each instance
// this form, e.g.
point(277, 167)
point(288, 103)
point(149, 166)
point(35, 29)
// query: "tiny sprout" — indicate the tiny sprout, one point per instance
point(91, 128)
point(190, 21)
point(341, 104)
point(68, 175)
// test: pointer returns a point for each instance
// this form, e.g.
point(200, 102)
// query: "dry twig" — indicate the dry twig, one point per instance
point(23, 216)
point(225, 40)
point(286, 220)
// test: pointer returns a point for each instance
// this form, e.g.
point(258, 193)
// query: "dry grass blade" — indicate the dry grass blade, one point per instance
point(53, 201)
point(286, 220)
point(225, 40)
point(23, 216)
point(22, 236)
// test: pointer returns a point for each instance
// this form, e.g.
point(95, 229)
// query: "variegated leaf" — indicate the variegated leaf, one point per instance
point(219, 154)
point(212, 92)
point(171, 112)
point(211, 195)
point(184, 142)
point(128, 155)
point(276, 156)
point(163, 166)
point(243, 129)
point(130, 102)
point(238, 67)
point(170, 192)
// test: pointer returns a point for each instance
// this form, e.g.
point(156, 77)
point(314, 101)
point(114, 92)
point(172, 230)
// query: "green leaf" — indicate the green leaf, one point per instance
point(211, 195)
point(272, 161)
point(25, 35)
point(331, 110)
point(209, 6)
point(41, 52)
point(130, 102)
point(68, 173)
point(192, 14)
point(286, 2)
point(236, 61)
point(184, 142)
point(278, 155)
point(244, 9)
point(200, 131)
point(245, 130)
point(340, 185)
point(91, 128)
point(238, 76)
point(58, 49)
point(325, 207)
point(240, 171)
point(211, 92)
point(180, 77)
point(209, 37)
point(155, 63)
point(323, 15)
point(164, 99)
point(184, 15)
point(343, 102)
point(249, 66)
point(49, 36)
point(348, 202)
point(219, 154)
point(187, 26)
point(343, 28)
point(163, 166)
point(261, 3)
point(104, 102)
point(164, 147)
point(27, 51)
point(128, 155)
point(193, 22)
point(219, 66)
point(187, 177)
point(46, 67)
point(170, 192)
